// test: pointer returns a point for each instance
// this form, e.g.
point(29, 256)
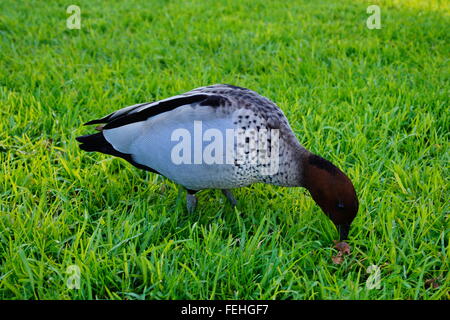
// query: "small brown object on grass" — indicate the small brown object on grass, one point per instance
point(343, 249)
point(432, 283)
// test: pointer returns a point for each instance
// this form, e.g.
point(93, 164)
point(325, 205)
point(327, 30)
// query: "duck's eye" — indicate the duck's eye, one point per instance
point(340, 205)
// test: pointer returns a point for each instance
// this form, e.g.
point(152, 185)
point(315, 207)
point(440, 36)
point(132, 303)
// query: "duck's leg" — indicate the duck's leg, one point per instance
point(230, 197)
point(191, 201)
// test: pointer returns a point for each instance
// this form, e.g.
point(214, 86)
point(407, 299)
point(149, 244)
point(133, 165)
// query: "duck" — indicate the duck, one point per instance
point(222, 137)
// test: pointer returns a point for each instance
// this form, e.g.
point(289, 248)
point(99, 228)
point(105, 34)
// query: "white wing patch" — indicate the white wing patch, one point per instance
point(122, 137)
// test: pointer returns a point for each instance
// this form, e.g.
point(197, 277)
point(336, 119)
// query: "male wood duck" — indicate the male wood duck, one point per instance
point(222, 137)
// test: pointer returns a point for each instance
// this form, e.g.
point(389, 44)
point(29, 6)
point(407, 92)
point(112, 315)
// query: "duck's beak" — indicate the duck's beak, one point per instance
point(343, 229)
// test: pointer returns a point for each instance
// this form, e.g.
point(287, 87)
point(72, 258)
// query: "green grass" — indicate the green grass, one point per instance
point(374, 102)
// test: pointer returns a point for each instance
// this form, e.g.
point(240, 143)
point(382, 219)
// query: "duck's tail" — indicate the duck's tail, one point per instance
point(97, 143)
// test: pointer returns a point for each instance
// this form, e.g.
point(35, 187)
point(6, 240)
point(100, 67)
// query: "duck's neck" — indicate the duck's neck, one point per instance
point(290, 167)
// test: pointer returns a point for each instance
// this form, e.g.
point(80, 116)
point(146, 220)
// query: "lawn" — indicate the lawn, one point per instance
point(76, 225)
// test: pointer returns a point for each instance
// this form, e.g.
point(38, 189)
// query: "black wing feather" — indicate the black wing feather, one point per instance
point(154, 110)
point(115, 115)
point(118, 118)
